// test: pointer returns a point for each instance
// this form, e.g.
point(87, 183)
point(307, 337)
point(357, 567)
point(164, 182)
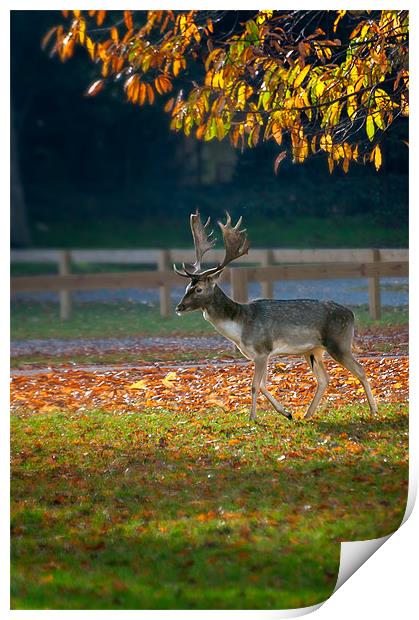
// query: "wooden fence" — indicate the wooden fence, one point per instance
point(263, 266)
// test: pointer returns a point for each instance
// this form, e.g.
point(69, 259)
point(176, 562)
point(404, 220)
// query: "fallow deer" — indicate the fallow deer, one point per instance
point(267, 327)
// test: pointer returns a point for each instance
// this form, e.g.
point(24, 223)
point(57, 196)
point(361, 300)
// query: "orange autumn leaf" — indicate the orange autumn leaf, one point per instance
point(203, 386)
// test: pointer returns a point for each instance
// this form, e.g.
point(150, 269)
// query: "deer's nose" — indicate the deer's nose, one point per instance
point(180, 308)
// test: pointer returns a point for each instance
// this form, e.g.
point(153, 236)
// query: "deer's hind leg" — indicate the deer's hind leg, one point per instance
point(347, 360)
point(315, 361)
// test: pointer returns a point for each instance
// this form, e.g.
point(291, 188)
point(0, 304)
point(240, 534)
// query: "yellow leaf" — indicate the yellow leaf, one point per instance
point(347, 150)
point(326, 143)
point(241, 96)
point(82, 31)
point(298, 415)
point(176, 67)
point(196, 33)
point(352, 103)
point(218, 80)
point(377, 157)
point(379, 119)
point(345, 165)
point(138, 385)
point(318, 88)
point(220, 129)
point(300, 77)
point(337, 20)
point(114, 34)
point(90, 46)
point(277, 133)
point(212, 56)
point(105, 69)
point(169, 378)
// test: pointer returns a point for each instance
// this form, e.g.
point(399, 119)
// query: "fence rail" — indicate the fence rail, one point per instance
point(300, 265)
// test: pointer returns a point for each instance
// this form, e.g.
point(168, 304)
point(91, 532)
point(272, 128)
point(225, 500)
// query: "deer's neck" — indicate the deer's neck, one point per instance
point(221, 308)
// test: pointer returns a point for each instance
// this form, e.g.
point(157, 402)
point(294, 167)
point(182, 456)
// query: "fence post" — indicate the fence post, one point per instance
point(64, 268)
point(163, 265)
point(374, 293)
point(267, 287)
point(238, 279)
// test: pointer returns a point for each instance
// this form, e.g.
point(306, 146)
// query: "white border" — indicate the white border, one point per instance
point(386, 585)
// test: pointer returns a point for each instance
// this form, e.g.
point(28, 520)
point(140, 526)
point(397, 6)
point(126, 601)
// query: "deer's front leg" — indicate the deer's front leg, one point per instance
point(259, 371)
point(275, 404)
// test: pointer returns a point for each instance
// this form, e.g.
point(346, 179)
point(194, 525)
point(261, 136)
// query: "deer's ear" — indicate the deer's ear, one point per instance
point(213, 279)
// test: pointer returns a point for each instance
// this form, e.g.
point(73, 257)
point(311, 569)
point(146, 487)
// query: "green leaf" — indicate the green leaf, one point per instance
point(370, 127)
point(252, 30)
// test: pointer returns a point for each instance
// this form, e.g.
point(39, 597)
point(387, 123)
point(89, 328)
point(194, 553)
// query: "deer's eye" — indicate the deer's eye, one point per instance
point(198, 289)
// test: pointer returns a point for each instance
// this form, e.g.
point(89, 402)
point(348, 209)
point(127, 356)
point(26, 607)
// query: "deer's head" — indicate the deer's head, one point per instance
point(202, 282)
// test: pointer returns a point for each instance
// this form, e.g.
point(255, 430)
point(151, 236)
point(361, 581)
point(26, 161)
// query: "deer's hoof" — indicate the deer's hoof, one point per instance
point(288, 415)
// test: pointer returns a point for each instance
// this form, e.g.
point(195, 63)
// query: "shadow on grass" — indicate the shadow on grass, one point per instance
point(382, 427)
point(150, 520)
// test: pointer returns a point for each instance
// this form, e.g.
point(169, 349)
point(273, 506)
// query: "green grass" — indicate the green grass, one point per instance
point(93, 320)
point(390, 316)
point(159, 510)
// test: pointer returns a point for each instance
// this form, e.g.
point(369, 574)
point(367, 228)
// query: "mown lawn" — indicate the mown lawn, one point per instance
point(93, 320)
point(172, 510)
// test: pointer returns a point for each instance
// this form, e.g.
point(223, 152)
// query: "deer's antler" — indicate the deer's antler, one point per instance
point(202, 240)
point(203, 243)
point(235, 242)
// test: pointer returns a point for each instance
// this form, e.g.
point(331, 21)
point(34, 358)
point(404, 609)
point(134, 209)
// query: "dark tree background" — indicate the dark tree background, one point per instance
point(83, 164)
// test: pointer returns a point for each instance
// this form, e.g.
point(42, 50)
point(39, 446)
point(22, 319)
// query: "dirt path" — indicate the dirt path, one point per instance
point(144, 366)
point(59, 347)
point(391, 339)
